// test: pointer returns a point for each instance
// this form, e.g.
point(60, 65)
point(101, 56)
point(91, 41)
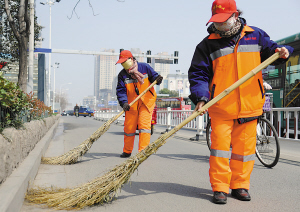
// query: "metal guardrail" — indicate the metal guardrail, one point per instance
point(282, 118)
point(104, 116)
point(287, 120)
point(172, 118)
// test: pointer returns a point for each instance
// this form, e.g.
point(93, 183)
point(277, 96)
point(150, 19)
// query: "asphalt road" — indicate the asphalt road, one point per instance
point(174, 179)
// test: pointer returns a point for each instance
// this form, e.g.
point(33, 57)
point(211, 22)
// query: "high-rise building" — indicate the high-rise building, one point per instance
point(12, 71)
point(104, 73)
point(161, 66)
point(90, 101)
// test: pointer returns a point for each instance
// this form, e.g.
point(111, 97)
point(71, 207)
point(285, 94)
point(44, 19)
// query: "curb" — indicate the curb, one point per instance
point(12, 191)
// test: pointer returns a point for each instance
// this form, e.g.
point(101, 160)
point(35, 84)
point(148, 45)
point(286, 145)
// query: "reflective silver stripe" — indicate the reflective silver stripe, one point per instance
point(127, 80)
point(242, 158)
point(230, 50)
point(129, 134)
point(249, 48)
point(221, 53)
point(144, 131)
point(220, 153)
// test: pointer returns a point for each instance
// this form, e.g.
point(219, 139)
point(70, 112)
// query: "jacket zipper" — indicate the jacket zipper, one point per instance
point(237, 71)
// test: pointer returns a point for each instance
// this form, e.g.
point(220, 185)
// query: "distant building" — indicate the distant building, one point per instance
point(161, 66)
point(89, 101)
point(104, 73)
point(178, 82)
point(11, 73)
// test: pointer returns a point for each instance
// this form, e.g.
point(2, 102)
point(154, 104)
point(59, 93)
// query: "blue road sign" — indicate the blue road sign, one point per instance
point(100, 105)
point(113, 103)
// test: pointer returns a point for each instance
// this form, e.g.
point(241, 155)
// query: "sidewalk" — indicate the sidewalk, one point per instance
point(13, 190)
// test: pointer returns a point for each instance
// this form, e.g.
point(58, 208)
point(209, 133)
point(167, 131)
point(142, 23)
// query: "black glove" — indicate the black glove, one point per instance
point(159, 79)
point(126, 107)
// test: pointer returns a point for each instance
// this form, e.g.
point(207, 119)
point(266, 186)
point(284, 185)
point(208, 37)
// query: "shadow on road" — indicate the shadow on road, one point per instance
point(116, 132)
point(148, 188)
point(184, 157)
point(93, 156)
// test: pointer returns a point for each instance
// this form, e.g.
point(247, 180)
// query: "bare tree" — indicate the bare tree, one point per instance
point(62, 99)
point(91, 6)
point(20, 28)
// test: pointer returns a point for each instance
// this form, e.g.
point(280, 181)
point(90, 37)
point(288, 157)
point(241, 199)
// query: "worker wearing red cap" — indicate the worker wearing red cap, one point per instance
point(230, 51)
point(133, 79)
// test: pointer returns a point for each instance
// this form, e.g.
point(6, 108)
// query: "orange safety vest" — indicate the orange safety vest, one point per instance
point(247, 100)
point(148, 99)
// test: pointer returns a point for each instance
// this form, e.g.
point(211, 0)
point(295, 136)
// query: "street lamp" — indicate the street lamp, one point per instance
point(60, 91)
point(56, 65)
point(104, 101)
point(50, 3)
point(114, 102)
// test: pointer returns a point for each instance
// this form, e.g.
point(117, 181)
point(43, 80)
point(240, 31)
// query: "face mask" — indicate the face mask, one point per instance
point(227, 25)
point(127, 64)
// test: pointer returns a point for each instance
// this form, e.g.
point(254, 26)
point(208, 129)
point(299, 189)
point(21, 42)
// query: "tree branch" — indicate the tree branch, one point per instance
point(73, 11)
point(92, 8)
point(11, 21)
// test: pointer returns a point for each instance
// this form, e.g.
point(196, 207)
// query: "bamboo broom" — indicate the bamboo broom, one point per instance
point(73, 155)
point(104, 189)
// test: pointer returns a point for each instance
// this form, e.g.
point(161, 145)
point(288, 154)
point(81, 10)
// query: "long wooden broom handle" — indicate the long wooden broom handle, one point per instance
point(228, 90)
point(136, 99)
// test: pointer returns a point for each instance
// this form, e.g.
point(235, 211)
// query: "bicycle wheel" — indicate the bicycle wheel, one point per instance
point(267, 143)
point(208, 130)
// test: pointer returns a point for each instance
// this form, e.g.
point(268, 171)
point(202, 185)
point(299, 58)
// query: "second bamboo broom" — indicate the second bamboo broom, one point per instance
point(73, 155)
point(104, 189)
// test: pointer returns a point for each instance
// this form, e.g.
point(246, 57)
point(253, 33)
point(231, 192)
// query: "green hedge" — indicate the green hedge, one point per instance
point(15, 104)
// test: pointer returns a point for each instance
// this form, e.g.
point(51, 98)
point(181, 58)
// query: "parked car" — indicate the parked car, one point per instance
point(64, 113)
point(85, 111)
point(70, 112)
point(67, 113)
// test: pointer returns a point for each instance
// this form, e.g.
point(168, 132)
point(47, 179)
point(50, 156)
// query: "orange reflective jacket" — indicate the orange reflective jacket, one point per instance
point(219, 62)
point(247, 100)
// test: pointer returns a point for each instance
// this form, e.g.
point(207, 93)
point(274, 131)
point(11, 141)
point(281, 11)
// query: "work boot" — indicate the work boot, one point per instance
point(220, 197)
point(241, 194)
point(125, 155)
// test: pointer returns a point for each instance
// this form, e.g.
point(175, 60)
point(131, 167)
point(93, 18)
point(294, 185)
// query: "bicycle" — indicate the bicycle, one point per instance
point(267, 143)
point(76, 114)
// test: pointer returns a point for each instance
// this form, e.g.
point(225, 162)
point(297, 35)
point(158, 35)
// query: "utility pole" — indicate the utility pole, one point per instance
point(50, 3)
point(56, 65)
point(31, 48)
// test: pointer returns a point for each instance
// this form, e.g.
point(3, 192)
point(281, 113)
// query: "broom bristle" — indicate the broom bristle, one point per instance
point(101, 190)
point(73, 155)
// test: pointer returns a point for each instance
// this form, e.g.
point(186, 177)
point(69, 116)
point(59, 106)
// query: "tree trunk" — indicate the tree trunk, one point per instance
point(22, 35)
point(23, 72)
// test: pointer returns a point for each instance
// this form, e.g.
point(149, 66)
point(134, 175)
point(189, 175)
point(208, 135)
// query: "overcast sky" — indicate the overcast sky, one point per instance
point(156, 25)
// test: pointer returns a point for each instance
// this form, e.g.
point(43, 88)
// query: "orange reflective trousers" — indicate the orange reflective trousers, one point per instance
point(141, 117)
point(231, 170)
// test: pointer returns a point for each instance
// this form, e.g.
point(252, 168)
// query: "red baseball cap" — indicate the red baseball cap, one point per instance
point(221, 10)
point(124, 55)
